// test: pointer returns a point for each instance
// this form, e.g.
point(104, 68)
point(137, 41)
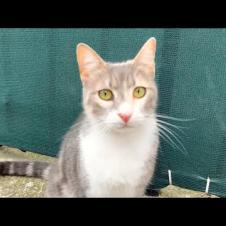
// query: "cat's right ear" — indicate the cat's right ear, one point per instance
point(88, 60)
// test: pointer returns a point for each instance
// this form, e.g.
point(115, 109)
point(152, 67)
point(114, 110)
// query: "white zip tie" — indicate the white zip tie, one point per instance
point(170, 177)
point(207, 185)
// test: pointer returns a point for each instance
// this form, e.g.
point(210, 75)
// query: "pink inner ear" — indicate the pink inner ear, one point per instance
point(87, 59)
point(85, 76)
point(81, 58)
point(152, 45)
point(147, 53)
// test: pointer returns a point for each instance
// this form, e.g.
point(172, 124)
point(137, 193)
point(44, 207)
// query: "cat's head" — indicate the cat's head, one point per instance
point(118, 95)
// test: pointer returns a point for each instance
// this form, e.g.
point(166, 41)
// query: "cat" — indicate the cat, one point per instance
point(112, 148)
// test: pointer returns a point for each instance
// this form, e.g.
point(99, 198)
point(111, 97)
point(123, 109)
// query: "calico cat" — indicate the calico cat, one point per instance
point(111, 149)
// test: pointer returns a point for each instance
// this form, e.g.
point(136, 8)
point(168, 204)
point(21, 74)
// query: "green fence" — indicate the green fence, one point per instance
point(41, 93)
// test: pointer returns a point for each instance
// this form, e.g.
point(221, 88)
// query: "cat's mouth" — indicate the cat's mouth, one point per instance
point(128, 126)
point(123, 127)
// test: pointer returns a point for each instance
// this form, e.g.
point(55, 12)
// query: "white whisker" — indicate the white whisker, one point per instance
point(170, 124)
point(172, 142)
point(173, 133)
point(173, 118)
point(161, 135)
point(169, 130)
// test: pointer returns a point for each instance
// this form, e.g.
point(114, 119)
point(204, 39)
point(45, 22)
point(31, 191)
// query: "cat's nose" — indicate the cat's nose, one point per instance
point(124, 117)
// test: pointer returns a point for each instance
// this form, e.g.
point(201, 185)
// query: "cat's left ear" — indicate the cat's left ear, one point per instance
point(146, 56)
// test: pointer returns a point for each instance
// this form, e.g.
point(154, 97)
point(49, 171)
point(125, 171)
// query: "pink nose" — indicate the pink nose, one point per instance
point(124, 117)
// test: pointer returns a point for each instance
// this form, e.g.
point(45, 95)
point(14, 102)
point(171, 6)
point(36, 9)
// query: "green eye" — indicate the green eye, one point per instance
point(105, 94)
point(139, 92)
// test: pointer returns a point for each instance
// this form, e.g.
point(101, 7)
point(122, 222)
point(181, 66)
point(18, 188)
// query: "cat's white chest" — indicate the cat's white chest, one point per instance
point(115, 167)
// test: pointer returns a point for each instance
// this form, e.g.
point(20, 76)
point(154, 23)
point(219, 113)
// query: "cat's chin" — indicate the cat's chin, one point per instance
point(122, 128)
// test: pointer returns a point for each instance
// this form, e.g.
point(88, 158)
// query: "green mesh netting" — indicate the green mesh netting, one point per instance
point(41, 93)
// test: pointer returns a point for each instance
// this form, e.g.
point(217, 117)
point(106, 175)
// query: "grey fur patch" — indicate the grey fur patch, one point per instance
point(38, 168)
point(45, 173)
point(29, 169)
point(4, 167)
point(23, 168)
point(11, 169)
point(67, 178)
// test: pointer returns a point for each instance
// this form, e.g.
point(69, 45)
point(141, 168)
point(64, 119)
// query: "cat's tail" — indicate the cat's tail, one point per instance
point(25, 168)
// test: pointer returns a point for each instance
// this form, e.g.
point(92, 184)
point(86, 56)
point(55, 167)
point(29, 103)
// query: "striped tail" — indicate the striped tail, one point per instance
point(25, 168)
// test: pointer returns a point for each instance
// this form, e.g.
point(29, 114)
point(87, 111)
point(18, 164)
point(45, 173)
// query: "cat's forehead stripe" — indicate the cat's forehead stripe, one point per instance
point(121, 75)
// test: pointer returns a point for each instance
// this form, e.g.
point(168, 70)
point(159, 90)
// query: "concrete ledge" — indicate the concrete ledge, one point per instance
point(11, 186)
